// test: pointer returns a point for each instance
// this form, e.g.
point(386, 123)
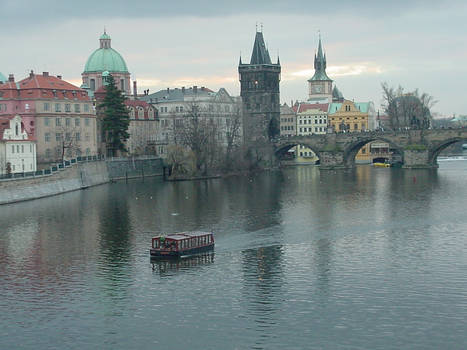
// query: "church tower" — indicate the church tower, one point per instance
point(320, 85)
point(259, 90)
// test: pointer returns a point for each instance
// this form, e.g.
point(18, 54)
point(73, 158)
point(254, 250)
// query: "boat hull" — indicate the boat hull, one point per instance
point(162, 253)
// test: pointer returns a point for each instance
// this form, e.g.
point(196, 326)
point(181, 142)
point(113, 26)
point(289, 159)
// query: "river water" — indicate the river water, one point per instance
point(371, 258)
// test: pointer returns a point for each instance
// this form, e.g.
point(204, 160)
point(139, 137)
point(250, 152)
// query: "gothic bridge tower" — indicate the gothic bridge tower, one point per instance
point(259, 84)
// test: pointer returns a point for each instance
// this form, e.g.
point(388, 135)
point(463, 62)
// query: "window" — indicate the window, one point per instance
point(48, 153)
point(68, 136)
point(88, 151)
point(12, 149)
point(93, 84)
point(181, 108)
point(67, 121)
point(17, 148)
point(58, 137)
point(355, 126)
point(67, 107)
point(122, 84)
point(78, 136)
point(58, 122)
point(46, 121)
point(47, 137)
point(77, 122)
point(46, 106)
point(77, 108)
point(58, 107)
point(22, 148)
point(86, 108)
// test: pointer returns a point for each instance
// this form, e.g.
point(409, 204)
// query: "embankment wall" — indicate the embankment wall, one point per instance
point(76, 177)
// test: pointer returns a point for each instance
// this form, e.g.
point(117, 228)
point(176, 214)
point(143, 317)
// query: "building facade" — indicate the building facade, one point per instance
point(350, 116)
point(17, 147)
point(311, 119)
point(288, 121)
point(259, 90)
point(175, 106)
point(106, 59)
point(57, 114)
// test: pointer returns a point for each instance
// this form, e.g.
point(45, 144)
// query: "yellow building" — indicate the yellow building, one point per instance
point(350, 116)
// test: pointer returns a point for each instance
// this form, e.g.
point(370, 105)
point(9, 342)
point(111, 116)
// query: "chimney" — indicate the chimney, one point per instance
point(31, 74)
point(45, 74)
point(195, 89)
point(59, 77)
point(135, 90)
point(11, 78)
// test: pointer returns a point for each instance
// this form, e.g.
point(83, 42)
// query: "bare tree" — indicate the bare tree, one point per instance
point(407, 109)
point(233, 128)
point(197, 132)
point(68, 140)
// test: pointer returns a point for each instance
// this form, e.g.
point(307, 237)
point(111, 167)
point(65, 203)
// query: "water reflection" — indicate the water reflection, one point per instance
point(167, 267)
point(262, 285)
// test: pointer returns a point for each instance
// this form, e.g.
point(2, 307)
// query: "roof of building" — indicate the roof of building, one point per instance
point(303, 107)
point(320, 65)
point(285, 109)
point(105, 59)
point(260, 54)
point(42, 86)
point(172, 95)
point(361, 106)
point(336, 94)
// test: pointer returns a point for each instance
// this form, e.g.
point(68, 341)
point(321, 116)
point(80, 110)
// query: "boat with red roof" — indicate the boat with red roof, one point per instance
point(180, 244)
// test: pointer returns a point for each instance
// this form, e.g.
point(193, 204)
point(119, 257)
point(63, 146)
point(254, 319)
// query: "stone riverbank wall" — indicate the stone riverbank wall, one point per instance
point(78, 176)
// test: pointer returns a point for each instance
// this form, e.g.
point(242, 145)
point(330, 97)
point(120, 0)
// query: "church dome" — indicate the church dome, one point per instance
point(3, 79)
point(105, 58)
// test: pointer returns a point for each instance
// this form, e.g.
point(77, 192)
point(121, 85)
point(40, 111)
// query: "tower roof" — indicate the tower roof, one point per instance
point(105, 58)
point(320, 64)
point(260, 54)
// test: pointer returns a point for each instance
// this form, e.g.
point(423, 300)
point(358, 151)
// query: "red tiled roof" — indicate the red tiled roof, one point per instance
point(302, 107)
point(42, 86)
point(142, 104)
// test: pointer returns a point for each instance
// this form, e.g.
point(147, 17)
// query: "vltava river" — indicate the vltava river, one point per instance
point(366, 259)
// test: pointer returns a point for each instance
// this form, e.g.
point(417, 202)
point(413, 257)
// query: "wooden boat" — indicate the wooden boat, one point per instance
point(180, 244)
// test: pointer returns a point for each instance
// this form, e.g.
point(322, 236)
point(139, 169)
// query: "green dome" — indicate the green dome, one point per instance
point(105, 36)
point(105, 60)
point(2, 78)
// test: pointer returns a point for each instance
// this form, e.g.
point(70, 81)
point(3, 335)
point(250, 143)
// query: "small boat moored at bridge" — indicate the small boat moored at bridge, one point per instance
point(180, 244)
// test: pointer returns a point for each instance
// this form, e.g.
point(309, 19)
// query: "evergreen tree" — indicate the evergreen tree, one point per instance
point(116, 119)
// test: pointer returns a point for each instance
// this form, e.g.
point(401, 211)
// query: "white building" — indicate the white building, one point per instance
point(17, 149)
point(311, 119)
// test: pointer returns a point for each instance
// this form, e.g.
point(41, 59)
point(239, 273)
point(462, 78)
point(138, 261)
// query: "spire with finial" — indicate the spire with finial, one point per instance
point(260, 54)
point(320, 62)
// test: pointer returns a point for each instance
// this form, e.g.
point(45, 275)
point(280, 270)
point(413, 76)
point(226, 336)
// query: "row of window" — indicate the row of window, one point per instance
point(68, 136)
point(20, 149)
point(287, 120)
point(287, 127)
point(13, 167)
point(309, 121)
point(346, 118)
point(67, 122)
point(58, 107)
point(68, 152)
point(317, 129)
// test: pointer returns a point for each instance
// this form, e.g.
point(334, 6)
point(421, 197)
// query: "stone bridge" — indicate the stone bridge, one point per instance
point(417, 148)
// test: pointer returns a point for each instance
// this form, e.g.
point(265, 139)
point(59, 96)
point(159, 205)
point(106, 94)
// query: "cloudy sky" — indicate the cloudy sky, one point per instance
point(416, 44)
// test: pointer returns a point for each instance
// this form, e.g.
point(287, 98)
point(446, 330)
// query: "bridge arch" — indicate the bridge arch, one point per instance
point(439, 147)
point(352, 149)
point(284, 148)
